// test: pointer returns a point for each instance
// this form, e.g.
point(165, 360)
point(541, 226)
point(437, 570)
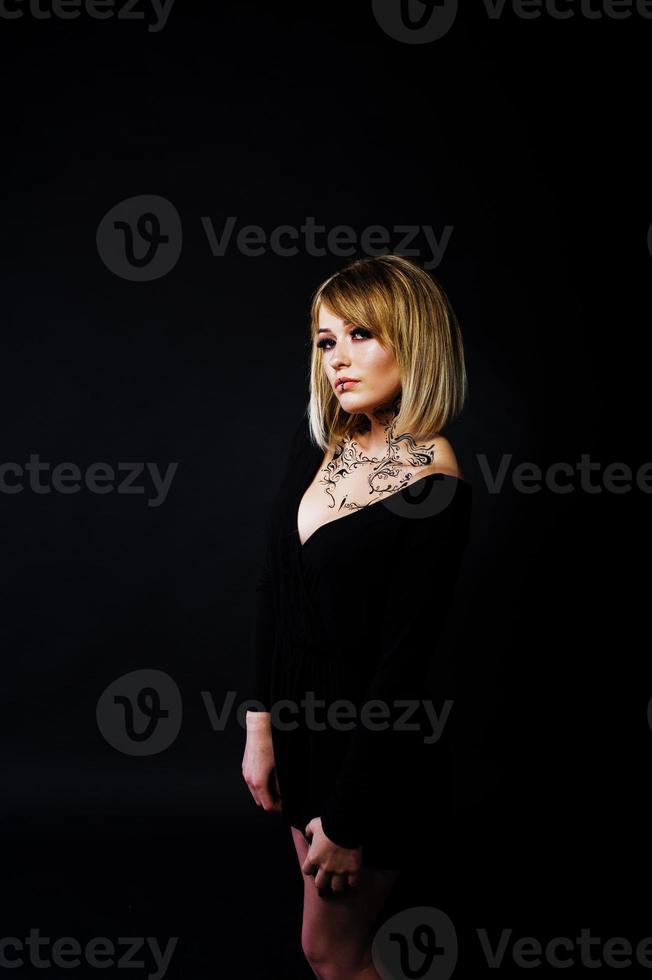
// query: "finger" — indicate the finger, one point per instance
point(309, 867)
point(265, 798)
point(323, 881)
point(353, 879)
point(255, 792)
point(267, 795)
point(339, 883)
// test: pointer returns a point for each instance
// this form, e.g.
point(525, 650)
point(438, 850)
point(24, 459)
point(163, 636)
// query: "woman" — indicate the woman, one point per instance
point(351, 596)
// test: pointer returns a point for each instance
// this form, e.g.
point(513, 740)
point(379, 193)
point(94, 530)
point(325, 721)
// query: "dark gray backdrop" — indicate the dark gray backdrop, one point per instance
point(518, 144)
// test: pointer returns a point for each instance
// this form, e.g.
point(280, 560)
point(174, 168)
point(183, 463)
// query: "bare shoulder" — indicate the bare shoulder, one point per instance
point(444, 458)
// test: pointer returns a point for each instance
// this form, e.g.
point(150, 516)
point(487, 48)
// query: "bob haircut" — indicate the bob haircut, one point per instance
point(407, 311)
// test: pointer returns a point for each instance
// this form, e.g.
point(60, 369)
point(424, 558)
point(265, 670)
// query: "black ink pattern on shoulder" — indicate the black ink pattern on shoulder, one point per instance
point(388, 475)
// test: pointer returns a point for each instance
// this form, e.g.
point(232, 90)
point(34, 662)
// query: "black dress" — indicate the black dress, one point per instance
point(354, 614)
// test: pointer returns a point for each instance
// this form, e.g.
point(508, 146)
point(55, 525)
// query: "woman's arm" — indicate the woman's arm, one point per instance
point(423, 567)
point(263, 630)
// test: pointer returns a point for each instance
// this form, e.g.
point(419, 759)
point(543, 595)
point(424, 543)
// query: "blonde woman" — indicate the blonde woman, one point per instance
point(358, 568)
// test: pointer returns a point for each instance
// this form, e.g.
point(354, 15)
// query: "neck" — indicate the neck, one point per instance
point(377, 433)
point(380, 438)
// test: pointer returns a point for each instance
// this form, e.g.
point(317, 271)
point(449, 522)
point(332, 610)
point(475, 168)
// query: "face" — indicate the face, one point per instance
point(354, 352)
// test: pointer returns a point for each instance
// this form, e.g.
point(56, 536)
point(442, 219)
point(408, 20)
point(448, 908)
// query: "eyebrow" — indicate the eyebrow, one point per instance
point(347, 323)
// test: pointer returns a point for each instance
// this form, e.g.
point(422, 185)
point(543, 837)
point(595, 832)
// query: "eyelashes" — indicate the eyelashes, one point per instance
point(365, 335)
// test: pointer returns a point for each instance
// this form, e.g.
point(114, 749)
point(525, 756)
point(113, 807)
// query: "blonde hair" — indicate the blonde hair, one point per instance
point(408, 311)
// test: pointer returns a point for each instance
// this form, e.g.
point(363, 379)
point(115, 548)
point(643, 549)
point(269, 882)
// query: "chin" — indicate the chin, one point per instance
point(352, 404)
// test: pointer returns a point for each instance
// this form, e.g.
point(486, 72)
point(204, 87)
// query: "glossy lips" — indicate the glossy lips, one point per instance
point(344, 383)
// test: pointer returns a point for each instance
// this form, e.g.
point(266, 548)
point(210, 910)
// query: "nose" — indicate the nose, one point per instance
point(339, 358)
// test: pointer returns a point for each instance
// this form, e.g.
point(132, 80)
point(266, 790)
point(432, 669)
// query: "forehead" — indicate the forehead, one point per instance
point(328, 320)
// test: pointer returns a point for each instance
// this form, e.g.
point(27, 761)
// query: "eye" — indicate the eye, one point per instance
point(362, 332)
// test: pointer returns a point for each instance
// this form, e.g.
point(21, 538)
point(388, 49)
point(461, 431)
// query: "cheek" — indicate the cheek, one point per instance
point(380, 361)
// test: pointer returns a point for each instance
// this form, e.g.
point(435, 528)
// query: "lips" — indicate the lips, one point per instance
point(344, 384)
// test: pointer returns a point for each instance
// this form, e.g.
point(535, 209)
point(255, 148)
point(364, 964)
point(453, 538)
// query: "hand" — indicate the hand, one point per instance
point(333, 866)
point(258, 766)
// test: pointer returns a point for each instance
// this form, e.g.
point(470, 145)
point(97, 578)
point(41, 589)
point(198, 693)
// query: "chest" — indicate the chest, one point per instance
point(338, 489)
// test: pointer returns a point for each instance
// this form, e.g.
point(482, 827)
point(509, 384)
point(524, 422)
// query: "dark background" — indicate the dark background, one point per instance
point(529, 138)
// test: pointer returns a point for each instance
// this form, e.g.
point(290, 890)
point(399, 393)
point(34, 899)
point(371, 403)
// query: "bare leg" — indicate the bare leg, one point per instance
point(338, 930)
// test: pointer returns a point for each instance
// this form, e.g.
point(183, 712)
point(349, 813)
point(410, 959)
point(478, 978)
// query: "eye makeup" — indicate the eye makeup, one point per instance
point(365, 335)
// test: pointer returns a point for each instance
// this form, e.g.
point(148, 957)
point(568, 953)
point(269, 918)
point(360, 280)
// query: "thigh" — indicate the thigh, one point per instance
point(346, 920)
